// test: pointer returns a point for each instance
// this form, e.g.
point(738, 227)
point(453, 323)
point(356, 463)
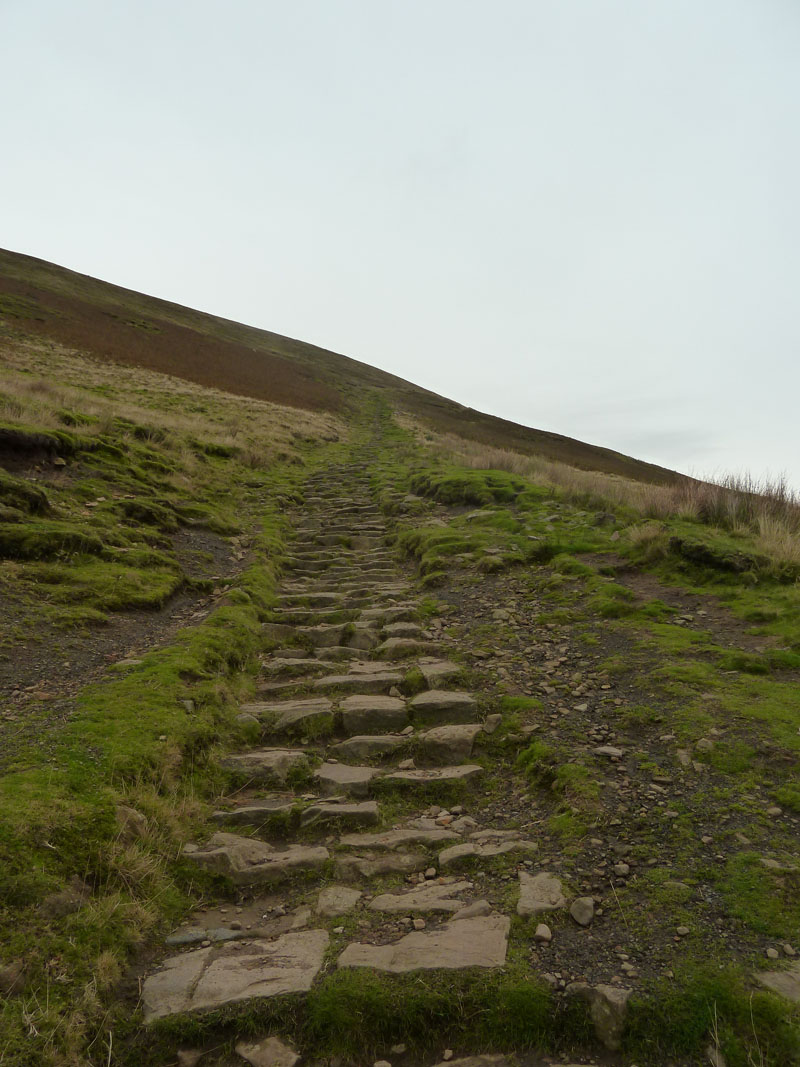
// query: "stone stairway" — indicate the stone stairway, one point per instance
point(354, 803)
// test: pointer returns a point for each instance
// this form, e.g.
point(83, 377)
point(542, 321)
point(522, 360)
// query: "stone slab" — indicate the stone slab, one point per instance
point(539, 893)
point(462, 773)
point(480, 942)
point(209, 978)
point(267, 764)
point(450, 744)
point(247, 861)
point(441, 707)
point(342, 778)
point(429, 896)
point(373, 714)
point(367, 746)
point(786, 983)
point(393, 839)
point(337, 900)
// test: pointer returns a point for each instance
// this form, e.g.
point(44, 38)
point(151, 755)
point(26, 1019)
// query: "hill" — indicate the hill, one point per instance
point(47, 301)
point(337, 717)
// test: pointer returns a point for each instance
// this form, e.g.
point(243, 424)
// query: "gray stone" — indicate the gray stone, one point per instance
point(268, 1052)
point(440, 707)
point(450, 744)
point(402, 629)
point(255, 814)
point(438, 671)
point(394, 839)
point(267, 764)
point(367, 746)
point(486, 845)
point(400, 647)
point(786, 983)
point(360, 813)
point(462, 773)
point(376, 864)
point(607, 1007)
point(373, 714)
point(582, 910)
point(480, 942)
point(471, 911)
point(337, 900)
point(428, 896)
point(342, 778)
point(247, 861)
point(609, 750)
point(365, 683)
point(538, 893)
point(208, 978)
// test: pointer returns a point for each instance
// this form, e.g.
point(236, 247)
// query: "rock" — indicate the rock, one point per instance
point(375, 864)
point(342, 778)
point(539, 892)
point(373, 714)
point(268, 1052)
point(480, 942)
point(441, 706)
point(337, 900)
point(609, 750)
point(359, 813)
point(247, 861)
point(582, 910)
point(131, 824)
point(471, 911)
point(450, 744)
point(485, 847)
point(394, 839)
point(461, 773)
point(543, 933)
point(772, 954)
point(491, 722)
point(607, 1007)
point(208, 978)
point(190, 1057)
point(267, 764)
point(427, 896)
point(786, 983)
point(367, 746)
point(12, 977)
point(438, 671)
point(255, 814)
point(705, 744)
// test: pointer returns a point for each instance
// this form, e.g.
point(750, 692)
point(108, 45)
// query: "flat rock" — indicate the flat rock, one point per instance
point(360, 813)
point(582, 910)
point(268, 1052)
point(398, 647)
point(486, 845)
point(256, 813)
point(462, 773)
point(608, 1007)
point(786, 983)
point(538, 893)
point(367, 746)
point(402, 629)
point(368, 682)
point(350, 866)
point(342, 778)
point(428, 896)
point(608, 750)
point(288, 711)
point(437, 671)
point(373, 714)
point(450, 744)
point(484, 1061)
point(480, 942)
point(247, 861)
point(337, 900)
point(394, 839)
point(267, 764)
point(439, 706)
point(208, 978)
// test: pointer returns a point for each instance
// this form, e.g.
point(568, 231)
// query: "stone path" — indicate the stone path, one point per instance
point(355, 832)
point(362, 725)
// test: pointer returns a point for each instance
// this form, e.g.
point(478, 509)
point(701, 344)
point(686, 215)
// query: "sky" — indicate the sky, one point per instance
point(582, 215)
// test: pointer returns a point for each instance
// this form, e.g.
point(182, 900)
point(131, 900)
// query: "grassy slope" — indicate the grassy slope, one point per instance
point(115, 323)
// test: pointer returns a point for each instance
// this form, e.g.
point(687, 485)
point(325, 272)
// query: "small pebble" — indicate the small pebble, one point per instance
point(772, 954)
point(543, 933)
point(419, 924)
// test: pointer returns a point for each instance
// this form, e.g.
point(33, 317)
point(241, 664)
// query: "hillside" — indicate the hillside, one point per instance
point(338, 722)
point(43, 300)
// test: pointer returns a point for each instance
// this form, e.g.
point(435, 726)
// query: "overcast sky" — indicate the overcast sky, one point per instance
point(583, 215)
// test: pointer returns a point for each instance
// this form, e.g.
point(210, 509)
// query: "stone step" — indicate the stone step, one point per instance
point(359, 683)
point(294, 717)
point(268, 765)
point(247, 861)
point(206, 979)
point(344, 779)
point(353, 635)
point(455, 945)
point(373, 714)
point(442, 707)
point(403, 647)
point(424, 778)
point(367, 746)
